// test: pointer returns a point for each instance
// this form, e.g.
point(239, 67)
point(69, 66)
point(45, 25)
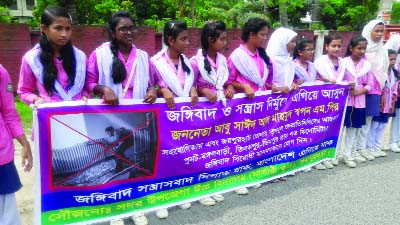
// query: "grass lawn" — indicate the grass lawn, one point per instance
point(25, 112)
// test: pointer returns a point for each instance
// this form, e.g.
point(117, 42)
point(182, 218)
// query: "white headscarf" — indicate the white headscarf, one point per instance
point(394, 44)
point(376, 54)
point(283, 65)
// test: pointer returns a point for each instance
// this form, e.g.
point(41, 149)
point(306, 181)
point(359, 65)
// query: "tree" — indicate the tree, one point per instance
point(395, 14)
point(352, 13)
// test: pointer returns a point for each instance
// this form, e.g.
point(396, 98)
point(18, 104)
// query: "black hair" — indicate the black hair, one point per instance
point(391, 52)
point(254, 25)
point(300, 46)
point(330, 38)
point(110, 128)
point(50, 72)
point(355, 40)
point(212, 30)
point(395, 71)
point(172, 29)
point(118, 71)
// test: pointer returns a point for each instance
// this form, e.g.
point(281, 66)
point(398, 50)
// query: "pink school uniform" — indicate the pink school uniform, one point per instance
point(243, 76)
point(31, 76)
point(213, 80)
point(10, 125)
point(99, 72)
point(166, 75)
point(326, 69)
point(308, 75)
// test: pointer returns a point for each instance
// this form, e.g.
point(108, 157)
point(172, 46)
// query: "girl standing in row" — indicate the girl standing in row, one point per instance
point(303, 55)
point(389, 97)
point(330, 69)
point(249, 66)
point(357, 74)
point(211, 70)
point(394, 140)
point(378, 57)
point(53, 70)
point(118, 70)
point(11, 128)
point(174, 74)
point(280, 48)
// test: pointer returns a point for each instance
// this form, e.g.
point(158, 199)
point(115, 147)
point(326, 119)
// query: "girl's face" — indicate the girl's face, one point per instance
point(259, 39)
point(334, 48)
point(392, 60)
point(124, 31)
point(181, 43)
point(291, 45)
point(377, 33)
point(358, 51)
point(58, 32)
point(220, 43)
point(307, 53)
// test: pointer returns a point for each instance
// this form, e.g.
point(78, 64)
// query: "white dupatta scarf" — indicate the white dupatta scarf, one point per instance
point(170, 77)
point(33, 59)
point(216, 78)
point(325, 68)
point(308, 75)
point(140, 71)
point(248, 68)
point(349, 66)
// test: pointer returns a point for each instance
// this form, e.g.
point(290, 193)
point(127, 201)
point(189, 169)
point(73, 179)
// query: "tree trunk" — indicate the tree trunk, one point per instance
point(70, 6)
point(283, 17)
point(316, 12)
point(192, 15)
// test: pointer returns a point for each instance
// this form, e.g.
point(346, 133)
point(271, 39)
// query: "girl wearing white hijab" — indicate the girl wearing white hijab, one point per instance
point(377, 55)
point(280, 48)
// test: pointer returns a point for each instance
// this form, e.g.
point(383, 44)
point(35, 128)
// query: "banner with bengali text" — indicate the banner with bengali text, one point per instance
point(97, 162)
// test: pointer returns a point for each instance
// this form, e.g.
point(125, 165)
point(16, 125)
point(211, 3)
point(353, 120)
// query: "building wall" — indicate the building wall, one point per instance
point(16, 39)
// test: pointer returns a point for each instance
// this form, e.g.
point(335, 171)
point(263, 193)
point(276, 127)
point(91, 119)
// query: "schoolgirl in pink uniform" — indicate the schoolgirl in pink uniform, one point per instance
point(211, 73)
point(389, 96)
point(377, 55)
point(117, 69)
point(174, 74)
point(330, 69)
point(250, 68)
point(11, 128)
point(358, 75)
point(53, 70)
point(172, 69)
point(210, 66)
point(304, 67)
point(394, 140)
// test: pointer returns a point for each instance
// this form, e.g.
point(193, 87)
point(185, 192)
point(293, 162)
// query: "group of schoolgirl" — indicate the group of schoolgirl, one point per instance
point(54, 70)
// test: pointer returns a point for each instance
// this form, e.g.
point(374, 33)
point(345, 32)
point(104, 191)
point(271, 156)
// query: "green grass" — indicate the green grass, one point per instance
point(25, 112)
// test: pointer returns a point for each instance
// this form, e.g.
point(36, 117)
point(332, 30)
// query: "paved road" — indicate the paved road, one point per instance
point(366, 195)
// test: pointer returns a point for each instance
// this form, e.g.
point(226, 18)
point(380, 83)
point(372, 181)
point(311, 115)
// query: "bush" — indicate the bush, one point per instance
point(317, 26)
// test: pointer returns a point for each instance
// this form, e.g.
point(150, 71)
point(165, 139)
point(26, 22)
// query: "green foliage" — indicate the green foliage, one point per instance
point(317, 26)
point(353, 13)
point(25, 113)
point(37, 11)
point(344, 28)
point(395, 15)
point(335, 13)
point(5, 16)
point(87, 11)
